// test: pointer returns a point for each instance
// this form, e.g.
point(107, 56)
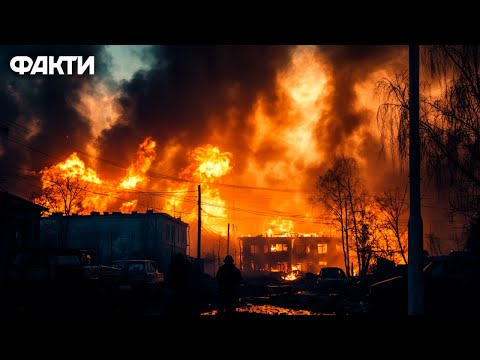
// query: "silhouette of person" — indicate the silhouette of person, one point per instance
point(181, 277)
point(229, 279)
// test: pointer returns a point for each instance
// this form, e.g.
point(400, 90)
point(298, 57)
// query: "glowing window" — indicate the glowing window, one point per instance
point(265, 249)
point(322, 248)
point(253, 249)
point(279, 248)
point(322, 263)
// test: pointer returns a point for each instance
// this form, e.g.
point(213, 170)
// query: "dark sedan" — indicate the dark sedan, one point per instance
point(42, 279)
point(139, 276)
point(332, 279)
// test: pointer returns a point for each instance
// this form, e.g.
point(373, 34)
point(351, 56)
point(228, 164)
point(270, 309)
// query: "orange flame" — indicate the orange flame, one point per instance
point(136, 171)
point(211, 163)
point(129, 206)
point(71, 181)
point(280, 227)
point(207, 165)
point(73, 167)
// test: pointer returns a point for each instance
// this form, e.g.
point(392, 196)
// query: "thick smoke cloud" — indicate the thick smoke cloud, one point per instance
point(190, 92)
point(352, 65)
point(38, 112)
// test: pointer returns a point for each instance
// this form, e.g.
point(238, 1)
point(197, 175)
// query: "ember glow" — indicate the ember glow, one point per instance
point(268, 310)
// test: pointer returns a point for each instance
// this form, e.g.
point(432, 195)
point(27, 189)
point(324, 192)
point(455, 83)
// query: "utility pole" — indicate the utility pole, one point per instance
point(228, 239)
point(415, 224)
point(239, 249)
point(199, 235)
point(350, 268)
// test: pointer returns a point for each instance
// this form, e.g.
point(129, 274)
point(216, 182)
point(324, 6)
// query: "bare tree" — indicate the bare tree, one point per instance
point(340, 190)
point(449, 121)
point(369, 237)
point(434, 244)
point(393, 205)
point(330, 192)
point(63, 194)
point(355, 204)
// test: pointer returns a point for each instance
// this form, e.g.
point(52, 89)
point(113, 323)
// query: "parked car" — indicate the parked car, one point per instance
point(139, 276)
point(44, 277)
point(451, 287)
point(332, 279)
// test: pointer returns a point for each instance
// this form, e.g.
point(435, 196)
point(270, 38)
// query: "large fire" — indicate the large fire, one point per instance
point(207, 165)
point(292, 131)
point(70, 187)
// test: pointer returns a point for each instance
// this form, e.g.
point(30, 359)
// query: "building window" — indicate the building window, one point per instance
point(297, 267)
point(322, 248)
point(301, 249)
point(322, 263)
point(265, 249)
point(338, 248)
point(253, 249)
point(279, 248)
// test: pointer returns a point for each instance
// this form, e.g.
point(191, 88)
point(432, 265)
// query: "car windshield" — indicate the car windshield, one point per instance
point(136, 267)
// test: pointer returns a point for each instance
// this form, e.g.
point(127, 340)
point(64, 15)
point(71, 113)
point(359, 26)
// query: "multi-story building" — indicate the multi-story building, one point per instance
point(117, 236)
point(303, 253)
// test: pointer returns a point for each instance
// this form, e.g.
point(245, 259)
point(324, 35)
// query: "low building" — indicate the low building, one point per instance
point(19, 225)
point(118, 236)
point(303, 253)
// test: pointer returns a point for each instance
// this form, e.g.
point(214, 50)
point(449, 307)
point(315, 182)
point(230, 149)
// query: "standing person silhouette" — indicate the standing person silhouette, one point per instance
point(229, 279)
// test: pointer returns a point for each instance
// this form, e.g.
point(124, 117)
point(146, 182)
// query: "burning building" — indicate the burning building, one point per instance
point(117, 236)
point(286, 254)
point(255, 131)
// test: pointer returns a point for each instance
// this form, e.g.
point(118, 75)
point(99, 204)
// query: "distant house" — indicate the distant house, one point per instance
point(19, 225)
point(118, 236)
point(303, 253)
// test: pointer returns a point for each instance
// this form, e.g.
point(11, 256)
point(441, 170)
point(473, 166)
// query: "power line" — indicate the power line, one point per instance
point(204, 227)
point(159, 175)
point(272, 213)
point(26, 178)
point(296, 217)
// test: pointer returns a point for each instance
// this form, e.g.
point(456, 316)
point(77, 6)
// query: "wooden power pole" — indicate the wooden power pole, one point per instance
point(228, 239)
